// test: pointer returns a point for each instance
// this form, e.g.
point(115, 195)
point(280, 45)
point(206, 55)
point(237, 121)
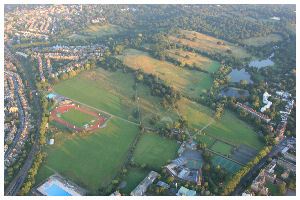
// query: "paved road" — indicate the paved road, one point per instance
point(16, 184)
point(249, 177)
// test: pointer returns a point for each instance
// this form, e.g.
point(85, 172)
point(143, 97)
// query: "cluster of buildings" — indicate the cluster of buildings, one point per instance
point(287, 160)
point(17, 111)
point(270, 175)
point(37, 23)
point(40, 68)
point(141, 189)
point(40, 22)
point(281, 126)
point(286, 97)
point(10, 110)
point(188, 166)
point(72, 57)
point(253, 112)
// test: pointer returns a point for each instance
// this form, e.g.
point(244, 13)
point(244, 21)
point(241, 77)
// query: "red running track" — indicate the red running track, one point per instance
point(61, 109)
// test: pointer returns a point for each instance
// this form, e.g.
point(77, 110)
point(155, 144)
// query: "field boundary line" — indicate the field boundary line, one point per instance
point(226, 157)
point(112, 115)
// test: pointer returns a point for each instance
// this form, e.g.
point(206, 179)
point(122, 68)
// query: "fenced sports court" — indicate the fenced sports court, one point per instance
point(228, 165)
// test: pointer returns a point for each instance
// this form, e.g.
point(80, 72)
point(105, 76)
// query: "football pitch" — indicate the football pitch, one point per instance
point(155, 151)
point(77, 117)
point(90, 161)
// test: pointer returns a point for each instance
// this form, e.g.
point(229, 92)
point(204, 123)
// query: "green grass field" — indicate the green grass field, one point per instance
point(234, 130)
point(90, 161)
point(77, 118)
point(229, 128)
point(60, 126)
point(194, 59)
point(112, 92)
point(133, 177)
point(190, 82)
point(155, 151)
point(228, 165)
point(273, 188)
point(263, 40)
point(96, 31)
point(205, 139)
point(207, 43)
point(222, 148)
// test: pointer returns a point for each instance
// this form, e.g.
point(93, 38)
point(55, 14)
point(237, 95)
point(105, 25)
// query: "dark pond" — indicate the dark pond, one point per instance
point(262, 63)
point(237, 75)
point(234, 92)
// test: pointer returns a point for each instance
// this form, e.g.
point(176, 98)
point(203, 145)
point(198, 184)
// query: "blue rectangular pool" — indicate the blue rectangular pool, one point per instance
point(55, 190)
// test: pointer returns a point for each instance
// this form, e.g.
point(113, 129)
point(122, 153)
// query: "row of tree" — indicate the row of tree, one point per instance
point(235, 180)
point(30, 181)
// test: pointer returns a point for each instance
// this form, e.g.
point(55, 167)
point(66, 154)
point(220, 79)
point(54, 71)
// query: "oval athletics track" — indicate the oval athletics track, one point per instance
point(64, 108)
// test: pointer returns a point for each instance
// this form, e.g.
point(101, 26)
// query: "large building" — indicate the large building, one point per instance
point(143, 186)
point(186, 192)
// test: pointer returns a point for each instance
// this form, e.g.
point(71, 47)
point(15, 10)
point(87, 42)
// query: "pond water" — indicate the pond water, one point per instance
point(237, 75)
point(234, 92)
point(262, 63)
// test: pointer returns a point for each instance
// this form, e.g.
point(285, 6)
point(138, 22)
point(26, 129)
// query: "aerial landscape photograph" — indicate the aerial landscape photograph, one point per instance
point(149, 99)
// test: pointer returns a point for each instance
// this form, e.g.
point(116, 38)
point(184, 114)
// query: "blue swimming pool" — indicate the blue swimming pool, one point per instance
point(55, 190)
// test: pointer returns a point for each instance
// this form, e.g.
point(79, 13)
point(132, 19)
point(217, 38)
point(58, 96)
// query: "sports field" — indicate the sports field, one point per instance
point(90, 161)
point(221, 148)
point(207, 43)
point(112, 92)
point(133, 177)
point(263, 40)
point(205, 139)
point(77, 118)
point(228, 128)
point(155, 151)
point(194, 59)
point(230, 166)
point(190, 82)
point(96, 31)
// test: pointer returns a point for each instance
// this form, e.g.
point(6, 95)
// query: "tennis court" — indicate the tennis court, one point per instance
point(244, 154)
point(229, 165)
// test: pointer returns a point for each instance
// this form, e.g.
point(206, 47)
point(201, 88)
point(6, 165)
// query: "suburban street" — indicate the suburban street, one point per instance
point(16, 184)
point(21, 117)
point(248, 178)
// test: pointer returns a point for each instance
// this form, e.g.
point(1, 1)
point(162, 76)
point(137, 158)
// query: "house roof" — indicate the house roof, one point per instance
point(186, 192)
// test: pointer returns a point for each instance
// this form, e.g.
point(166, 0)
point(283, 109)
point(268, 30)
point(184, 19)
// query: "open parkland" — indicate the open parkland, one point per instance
point(95, 128)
